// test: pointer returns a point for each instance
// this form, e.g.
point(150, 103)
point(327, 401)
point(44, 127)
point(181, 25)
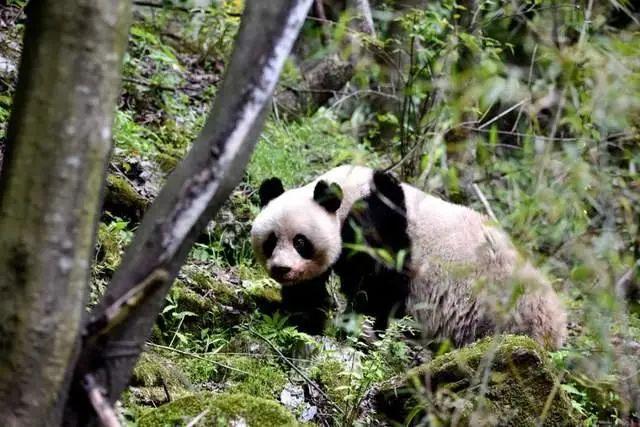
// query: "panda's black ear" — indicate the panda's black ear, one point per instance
point(269, 190)
point(328, 196)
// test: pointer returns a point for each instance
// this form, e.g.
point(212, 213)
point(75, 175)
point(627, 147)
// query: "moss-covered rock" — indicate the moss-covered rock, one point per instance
point(220, 410)
point(153, 369)
point(505, 381)
point(157, 380)
point(122, 198)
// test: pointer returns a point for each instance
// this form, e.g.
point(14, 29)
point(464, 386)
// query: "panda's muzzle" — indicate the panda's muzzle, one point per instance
point(279, 272)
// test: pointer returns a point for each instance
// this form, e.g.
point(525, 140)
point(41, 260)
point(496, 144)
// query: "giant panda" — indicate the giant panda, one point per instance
point(399, 251)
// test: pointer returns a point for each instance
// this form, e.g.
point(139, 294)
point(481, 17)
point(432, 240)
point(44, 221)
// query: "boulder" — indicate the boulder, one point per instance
point(505, 380)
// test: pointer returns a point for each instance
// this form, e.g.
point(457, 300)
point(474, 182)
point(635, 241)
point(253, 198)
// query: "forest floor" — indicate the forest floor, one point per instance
point(212, 337)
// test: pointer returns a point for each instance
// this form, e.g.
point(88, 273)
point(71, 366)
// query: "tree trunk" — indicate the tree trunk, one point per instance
point(192, 195)
point(59, 140)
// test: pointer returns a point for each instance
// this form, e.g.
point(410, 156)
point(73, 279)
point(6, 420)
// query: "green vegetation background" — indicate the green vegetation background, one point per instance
point(532, 105)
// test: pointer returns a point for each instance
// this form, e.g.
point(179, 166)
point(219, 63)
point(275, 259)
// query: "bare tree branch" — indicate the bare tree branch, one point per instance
point(193, 193)
point(362, 16)
point(59, 140)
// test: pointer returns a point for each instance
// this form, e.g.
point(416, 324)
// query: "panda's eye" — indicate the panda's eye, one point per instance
point(303, 246)
point(269, 245)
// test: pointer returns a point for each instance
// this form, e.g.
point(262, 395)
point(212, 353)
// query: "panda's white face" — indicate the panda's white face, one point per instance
point(295, 238)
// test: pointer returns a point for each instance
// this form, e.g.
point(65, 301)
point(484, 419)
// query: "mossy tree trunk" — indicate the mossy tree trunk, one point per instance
point(194, 192)
point(58, 143)
point(55, 368)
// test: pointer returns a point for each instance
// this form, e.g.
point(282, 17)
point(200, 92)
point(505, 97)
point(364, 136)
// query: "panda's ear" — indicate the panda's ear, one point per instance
point(328, 196)
point(269, 190)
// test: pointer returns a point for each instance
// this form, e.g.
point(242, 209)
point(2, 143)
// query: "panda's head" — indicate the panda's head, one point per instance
point(296, 236)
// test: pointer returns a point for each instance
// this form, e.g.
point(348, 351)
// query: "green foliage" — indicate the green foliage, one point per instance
point(348, 374)
point(532, 101)
point(286, 338)
point(296, 152)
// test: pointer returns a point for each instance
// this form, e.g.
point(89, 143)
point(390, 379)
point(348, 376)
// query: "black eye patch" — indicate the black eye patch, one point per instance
point(303, 246)
point(269, 245)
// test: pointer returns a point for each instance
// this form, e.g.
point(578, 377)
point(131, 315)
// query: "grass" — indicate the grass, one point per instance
point(296, 152)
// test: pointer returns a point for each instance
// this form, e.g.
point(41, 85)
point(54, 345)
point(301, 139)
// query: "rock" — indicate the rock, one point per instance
point(520, 388)
point(321, 80)
point(132, 184)
point(157, 380)
point(122, 199)
point(292, 396)
point(236, 409)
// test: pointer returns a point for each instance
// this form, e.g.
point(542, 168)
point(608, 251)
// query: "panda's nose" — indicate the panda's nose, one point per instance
point(279, 270)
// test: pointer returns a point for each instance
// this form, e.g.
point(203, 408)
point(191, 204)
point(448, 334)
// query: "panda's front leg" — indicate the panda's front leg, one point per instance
point(376, 252)
point(307, 304)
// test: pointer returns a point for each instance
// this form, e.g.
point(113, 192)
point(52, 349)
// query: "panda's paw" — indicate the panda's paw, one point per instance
point(388, 186)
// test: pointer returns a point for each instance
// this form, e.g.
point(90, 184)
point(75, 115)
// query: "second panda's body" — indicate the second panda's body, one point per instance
point(398, 250)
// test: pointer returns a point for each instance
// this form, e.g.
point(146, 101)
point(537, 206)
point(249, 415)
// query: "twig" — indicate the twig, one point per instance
point(326, 32)
point(153, 85)
point(162, 6)
point(295, 368)
point(100, 403)
point(533, 61)
point(585, 23)
point(195, 421)
point(485, 202)
point(529, 135)
point(118, 311)
point(197, 356)
point(505, 112)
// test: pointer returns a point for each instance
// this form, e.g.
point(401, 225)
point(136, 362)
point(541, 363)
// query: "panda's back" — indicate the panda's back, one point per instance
point(443, 231)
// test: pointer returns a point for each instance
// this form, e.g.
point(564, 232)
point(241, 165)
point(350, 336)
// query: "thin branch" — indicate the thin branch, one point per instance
point(118, 311)
point(585, 23)
point(295, 368)
point(195, 190)
point(162, 6)
point(153, 85)
point(106, 414)
point(485, 202)
point(504, 113)
point(197, 419)
point(197, 356)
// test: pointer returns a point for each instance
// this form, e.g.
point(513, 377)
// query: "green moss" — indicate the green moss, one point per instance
point(167, 162)
point(520, 387)
point(263, 378)
point(122, 199)
point(156, 379)
point(255, 376)
point(153, 369)
point(190, 300)
point(221, 410)
point(109, 247)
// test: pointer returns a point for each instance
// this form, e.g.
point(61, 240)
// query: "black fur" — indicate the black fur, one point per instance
point(307, 304)
point(374, 286)
point(269, 190)
point(328, 196)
